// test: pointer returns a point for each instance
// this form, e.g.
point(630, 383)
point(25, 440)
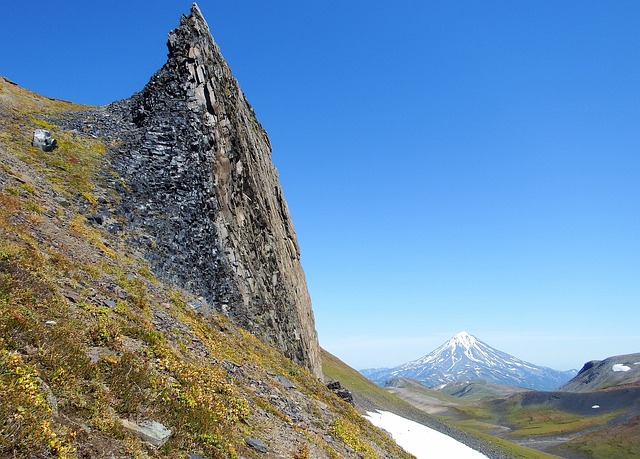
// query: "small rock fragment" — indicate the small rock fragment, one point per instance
point(256, 444)
point(71, 296)
point(95, 218)
point(285, 382)
point(52, 401)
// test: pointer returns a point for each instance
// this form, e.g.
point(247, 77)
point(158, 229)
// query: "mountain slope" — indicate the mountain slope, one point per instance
point(620, 370)
point(100, 355)
point(200, 196)
point(464, 357)
point(91, 338)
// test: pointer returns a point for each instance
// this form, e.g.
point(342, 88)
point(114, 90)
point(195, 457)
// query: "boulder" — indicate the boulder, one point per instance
point(42, 139)
point(342, 392)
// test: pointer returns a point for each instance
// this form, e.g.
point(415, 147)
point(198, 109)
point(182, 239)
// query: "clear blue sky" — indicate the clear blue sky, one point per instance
point(450, 165)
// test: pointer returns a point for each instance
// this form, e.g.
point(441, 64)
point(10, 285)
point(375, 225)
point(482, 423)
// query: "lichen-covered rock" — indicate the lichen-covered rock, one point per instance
point(202, 195)
point(152, 432)
point(42, 139)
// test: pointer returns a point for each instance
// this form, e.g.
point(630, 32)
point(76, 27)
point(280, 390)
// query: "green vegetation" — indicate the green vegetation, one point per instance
point(543, 421)
point(616, 442)
point(71, 168)
point(26, 415)
point(514, 450)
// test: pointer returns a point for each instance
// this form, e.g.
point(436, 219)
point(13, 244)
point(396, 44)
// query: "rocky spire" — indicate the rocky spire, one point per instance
point(205, 199)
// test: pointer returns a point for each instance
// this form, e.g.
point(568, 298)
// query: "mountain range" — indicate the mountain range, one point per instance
point(463, 358)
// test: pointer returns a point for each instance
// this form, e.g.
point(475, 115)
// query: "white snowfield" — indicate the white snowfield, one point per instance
point(620, 367)
point(421, 441)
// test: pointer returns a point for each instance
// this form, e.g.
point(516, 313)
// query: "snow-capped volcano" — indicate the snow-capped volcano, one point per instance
point(463, 358)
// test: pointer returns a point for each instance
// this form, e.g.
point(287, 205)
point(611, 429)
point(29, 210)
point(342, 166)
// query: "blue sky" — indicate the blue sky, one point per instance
point(449, 165)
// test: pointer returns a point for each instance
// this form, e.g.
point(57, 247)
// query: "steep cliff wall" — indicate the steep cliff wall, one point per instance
point(203, 197)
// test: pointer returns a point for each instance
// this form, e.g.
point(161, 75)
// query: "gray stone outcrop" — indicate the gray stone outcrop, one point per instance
point(202, 197)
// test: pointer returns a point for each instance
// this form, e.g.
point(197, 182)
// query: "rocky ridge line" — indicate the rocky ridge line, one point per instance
point(201, 196)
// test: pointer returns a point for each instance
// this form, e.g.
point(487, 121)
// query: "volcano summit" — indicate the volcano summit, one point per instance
point(464, 357)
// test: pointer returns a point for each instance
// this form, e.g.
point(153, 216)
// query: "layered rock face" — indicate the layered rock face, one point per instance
point(203, 198)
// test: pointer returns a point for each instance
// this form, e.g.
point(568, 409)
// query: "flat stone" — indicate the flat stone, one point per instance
point(285, 382)
point(97, 352)
point(52, 401)
point(71, 296)
point(256, 444)
point(151, 432)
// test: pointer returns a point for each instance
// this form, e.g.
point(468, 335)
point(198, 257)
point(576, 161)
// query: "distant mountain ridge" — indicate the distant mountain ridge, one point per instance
point(466, 358)
point(615, 371)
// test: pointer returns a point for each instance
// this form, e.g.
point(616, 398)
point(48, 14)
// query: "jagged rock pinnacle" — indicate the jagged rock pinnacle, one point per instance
point(205, 199)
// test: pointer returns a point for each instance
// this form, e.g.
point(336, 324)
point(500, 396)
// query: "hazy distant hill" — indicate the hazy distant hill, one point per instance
point(466, 358)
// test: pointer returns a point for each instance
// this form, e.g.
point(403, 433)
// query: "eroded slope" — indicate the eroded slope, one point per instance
point(90, 337)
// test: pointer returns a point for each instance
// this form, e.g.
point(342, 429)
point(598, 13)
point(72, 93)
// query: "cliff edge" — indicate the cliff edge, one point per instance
point(202, 198)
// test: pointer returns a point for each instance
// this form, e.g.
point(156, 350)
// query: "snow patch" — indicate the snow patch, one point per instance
point(421, 441)
point(620, 367)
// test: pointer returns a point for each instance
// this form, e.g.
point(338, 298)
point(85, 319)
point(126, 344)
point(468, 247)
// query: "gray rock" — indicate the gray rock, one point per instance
point(113, 228)
point(256, 444)
point(151, 432)
point(95, 218)
point(52, 401)
point(109, 303)
point(42, 139)
point(342, 392)
point(285, 382)
point(201, 196)
point(97, 352)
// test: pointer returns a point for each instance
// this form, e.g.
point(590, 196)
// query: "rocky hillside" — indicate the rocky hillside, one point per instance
point(617, 371)
point(100, 358)
point(200, 196)
point(133, 252)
